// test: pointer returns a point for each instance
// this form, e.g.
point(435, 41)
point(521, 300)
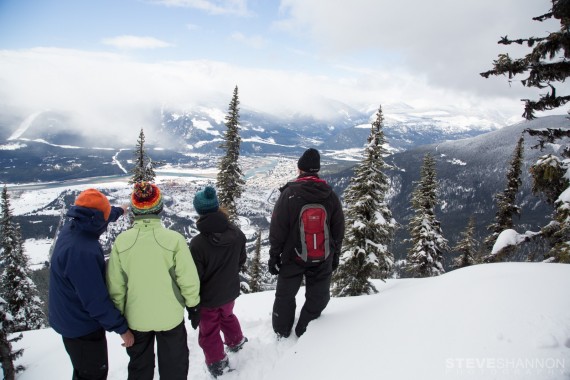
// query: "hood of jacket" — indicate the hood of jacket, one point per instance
point(310, 187)
point(217, 229)
point(88, 220)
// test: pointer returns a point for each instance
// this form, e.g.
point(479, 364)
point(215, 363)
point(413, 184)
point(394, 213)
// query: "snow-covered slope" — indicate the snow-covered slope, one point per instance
point(491, 321)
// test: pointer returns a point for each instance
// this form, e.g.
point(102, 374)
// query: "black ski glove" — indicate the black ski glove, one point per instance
point(274, 265)
point(194, 316)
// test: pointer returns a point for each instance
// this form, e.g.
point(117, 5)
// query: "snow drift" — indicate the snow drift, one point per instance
point(491, 321)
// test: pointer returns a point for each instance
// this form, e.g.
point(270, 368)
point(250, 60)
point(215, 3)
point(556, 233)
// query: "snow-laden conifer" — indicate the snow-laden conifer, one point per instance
point(7, 354)
point(143, 169)
point(466, 247)
point(425, 257)
point(230, 182)
point(368, 219)
point(545, 66)
point(18, 289)
point(506, 204)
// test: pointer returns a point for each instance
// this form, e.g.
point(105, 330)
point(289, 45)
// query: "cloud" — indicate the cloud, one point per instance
point(215, 7)
point(135, 42)
point(448, 42)
point(256, 42)
point(106, 93)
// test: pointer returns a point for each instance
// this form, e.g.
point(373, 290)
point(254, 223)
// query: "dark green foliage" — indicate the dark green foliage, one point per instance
point(546, 64)
point(548, 177)
point(230, 182)
point(255, 284)
point(550, 180)
point(506, 206)
point(425, 257)
point(40, 277)
point(369, 223)
point(7, 355)
point(466, 247)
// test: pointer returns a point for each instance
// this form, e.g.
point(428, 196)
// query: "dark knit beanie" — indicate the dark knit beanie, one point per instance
point(206, 201)
point(146, 199)
point(310, 161)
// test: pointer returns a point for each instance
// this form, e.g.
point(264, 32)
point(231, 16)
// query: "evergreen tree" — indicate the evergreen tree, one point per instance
point(7, 355)
point(143, 170)
point(18, 289)
point(370, 226)
point(230, 182)
point(506, 206)
point(550, 179)
point(255, 285)
point(466, 247)
point(546, 64)
point(425, 257)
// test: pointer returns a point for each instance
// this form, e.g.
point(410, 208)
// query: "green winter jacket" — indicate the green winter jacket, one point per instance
point(151, 276)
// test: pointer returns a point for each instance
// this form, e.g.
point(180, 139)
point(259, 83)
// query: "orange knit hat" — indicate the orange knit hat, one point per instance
point(92, 198)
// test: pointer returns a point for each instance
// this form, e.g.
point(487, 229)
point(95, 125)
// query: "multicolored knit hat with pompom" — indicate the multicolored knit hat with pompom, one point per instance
point(146, 199)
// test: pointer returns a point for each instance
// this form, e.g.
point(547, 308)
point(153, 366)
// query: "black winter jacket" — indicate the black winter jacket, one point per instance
point(219, 253)
point(284, 233)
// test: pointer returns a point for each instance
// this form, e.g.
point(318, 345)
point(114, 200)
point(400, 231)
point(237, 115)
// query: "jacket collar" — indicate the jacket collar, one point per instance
point(212, 222)
point(147, 221)
point(313, 177)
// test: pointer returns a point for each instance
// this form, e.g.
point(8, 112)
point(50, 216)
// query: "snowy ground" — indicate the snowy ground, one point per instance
point(491, 321)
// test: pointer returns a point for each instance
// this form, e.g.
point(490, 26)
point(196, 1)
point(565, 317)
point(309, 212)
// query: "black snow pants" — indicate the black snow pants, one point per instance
point(317, 295)
point(88, 356)
point(172, 347)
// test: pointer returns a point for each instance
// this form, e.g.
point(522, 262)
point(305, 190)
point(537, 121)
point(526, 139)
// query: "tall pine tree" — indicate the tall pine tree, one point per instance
point(230, 182)
point(18, 289)
point(425, 257)
point(370, 226)
point(143, 170)
point(7, 354)
point(466, 247)
point(506, 203)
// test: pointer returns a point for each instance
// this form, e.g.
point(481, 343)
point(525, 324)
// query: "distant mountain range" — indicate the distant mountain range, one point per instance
point(472, 156)
point(52, 149)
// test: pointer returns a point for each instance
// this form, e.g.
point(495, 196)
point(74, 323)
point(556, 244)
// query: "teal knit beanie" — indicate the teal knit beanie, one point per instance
point(206, 201)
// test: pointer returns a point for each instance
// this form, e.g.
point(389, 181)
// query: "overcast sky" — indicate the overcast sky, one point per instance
point(106, 60)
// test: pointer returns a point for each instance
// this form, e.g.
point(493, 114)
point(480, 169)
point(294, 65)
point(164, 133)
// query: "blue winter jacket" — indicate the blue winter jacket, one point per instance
point(79, 302)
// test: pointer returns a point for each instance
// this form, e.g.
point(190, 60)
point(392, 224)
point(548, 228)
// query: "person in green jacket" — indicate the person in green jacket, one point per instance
point(151, 279)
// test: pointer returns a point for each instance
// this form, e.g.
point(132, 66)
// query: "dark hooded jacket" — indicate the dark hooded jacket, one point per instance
point(219, 253)
point(79, 303)
point(284, 234)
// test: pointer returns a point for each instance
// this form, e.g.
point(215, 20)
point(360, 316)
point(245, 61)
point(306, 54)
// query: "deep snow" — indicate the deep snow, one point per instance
point(490, 321)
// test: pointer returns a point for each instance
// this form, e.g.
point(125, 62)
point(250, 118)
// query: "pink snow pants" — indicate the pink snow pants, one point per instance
point(212, 321)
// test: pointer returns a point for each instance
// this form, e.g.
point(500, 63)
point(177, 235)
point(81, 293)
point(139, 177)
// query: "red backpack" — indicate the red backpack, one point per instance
point(314, 233)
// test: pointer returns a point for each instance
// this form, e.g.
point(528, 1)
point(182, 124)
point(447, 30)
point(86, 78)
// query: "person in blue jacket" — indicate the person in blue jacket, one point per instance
point(80, 308)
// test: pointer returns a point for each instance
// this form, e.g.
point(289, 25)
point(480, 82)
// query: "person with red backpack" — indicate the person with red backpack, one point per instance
point(305, 237)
